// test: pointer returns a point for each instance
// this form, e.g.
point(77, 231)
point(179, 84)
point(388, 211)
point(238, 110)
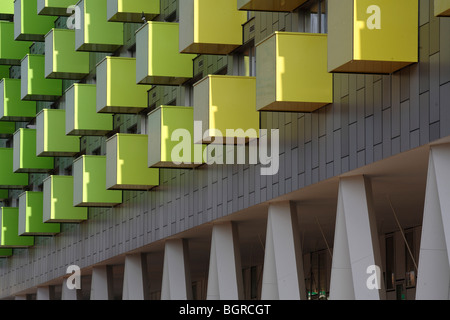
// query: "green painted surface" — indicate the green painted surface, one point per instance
point(7, 128)
point(132, 10)
point(55, 7)
point(9, 236)
point(12, 108)
point(4, 194)
point(4, 253)
point(29, 25)
point(7, 7)
point(11, 52)
point(4, 71)
point(9, 179)
point(25, 159)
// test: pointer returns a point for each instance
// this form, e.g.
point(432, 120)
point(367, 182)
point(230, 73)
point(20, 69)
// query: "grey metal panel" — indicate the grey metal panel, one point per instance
point(424, 57)
point(404, 137)
point(414, 116)
point(395, 109)
point(434, 88)
point(445, 109)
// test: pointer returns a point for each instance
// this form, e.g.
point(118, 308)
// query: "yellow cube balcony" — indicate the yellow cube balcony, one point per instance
point(169, 127)
point(55, 7)
point(89, 183)
point(12, 108)
point(11, 51)
point(9, 230)
point(292, 73)
point(96, 34)
point(370, 36)
point(126, 163)
point(9, 179)
point(226, 108)
point(61, 59)
point(442, 8)
point(132, 10)
point(210, 27)
point(82, 118)
point(270, 5)
point(58, 201)
point(7, 129)
point(25, 159)
point(6, 9)
point(31, 210)
point(28, 25)
point(51, 138)
point(157, 57)
point(117, 91)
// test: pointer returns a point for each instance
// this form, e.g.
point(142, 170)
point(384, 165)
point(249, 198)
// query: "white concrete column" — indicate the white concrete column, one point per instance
point(69, 294)
point(135, 280)
point(356, 245)
point(45, 293)
point(176, 280)
point(433, 275)
point(283, 274)
point(101, 284)
point(225, 271)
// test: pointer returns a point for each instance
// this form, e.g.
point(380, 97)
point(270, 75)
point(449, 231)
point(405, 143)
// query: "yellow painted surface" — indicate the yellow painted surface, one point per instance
point(442, 8)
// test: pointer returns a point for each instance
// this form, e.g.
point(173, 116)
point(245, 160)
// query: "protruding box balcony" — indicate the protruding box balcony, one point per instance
point(167, 148)
point(12, 108)
point(58, 201)
point(4, 194)
point(117, 91)
point(82, 118)
point(132, 10)
point(210, 27)
point(55, 7)
point(292, 73)
point(7, 129)
point(127, 163)
point(34, 85)
point(31, 216)
point(442, 8)
point(9, 179)
point(96, 33)
point(11, 51)
point(28, 25)
point(61, 59)
point(6, 9)
point(226, 108)
point(89, 185)
point(9, 230)
point(372, 37)
point(269, 5)
point(158, 59)
point(51, 138)
point(25, 159)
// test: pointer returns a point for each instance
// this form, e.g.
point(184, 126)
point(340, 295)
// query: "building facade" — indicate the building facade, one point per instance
point(196, 149)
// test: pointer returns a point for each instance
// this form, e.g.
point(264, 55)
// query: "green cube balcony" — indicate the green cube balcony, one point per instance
point(96, 33)
point(9, 179)
point(89, 183)
point(117, 91)
point(158, 58)
point(28, 25)
point(9, 235)
point(442, 8)
point(82, 118)
point(12, 108)
point(166, 147)
point(34, 85)
point(4, 72)
point(226, 108)
point(292, 73)
point(11, 51)
point(6, 253)
point(61, 59)
point(58, 201)
point(55, 7)
point(126, 163)
point(132, 10)
point(31, 219)
point(4, 194)
point(372, 36)
point(6, 9)
point(51, 138)
point(210, 27)
point(25, 159)
point(270, 5)
point(7, 129)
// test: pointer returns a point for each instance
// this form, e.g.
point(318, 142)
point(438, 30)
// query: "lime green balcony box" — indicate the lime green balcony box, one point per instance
point(117, 91)
point(28, 25)
point(96, 33)
point(12, 108)
point(9, 179)
point(31, 219)
point(6, 9)
point(4, 72)
point(55, 7)
point(6, 253)
point(168, 127)
point(61, 59)
point(89, 183)
point(11, 51)
point(157, 56)
point(126, 163)
point(25, 159)
point(270, 5)
point(7, 129)
point(132, 10)
point(372, 36)
point(442, 8)
point(9, 235)
point(210, 27)
point(82, 118)
point(4, 194)
point(226, 104)
point(34, 85)
point(292, 73)
point(51, 138)
point(58, 201)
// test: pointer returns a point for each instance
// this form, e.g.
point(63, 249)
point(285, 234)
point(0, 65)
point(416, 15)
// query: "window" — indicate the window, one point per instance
point(312, 17)
point(410, 275)
point(390, 263)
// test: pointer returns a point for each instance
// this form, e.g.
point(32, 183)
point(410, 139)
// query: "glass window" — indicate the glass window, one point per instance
point(410, 275)
point(390, 263)
point(313, 17)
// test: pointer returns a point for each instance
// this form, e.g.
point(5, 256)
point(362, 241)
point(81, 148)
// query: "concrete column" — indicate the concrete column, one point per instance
point(433, 275)
point(45, 293)
point(225, 271)
point(102, 283)
point(69, 294)
point(356, 246)
point(135, 280)
point(283, 274)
